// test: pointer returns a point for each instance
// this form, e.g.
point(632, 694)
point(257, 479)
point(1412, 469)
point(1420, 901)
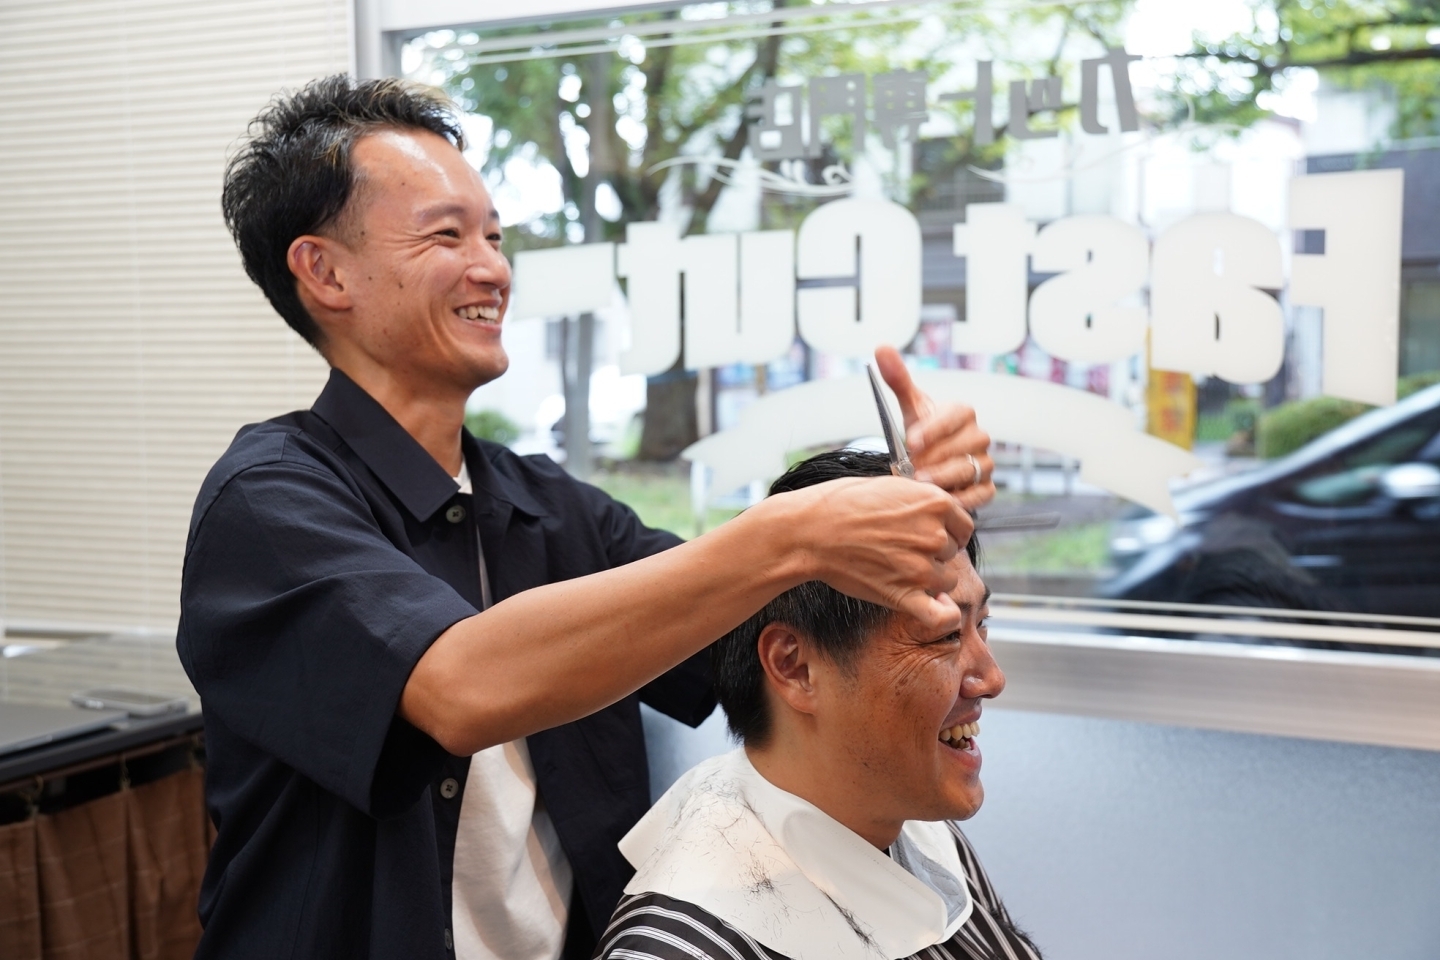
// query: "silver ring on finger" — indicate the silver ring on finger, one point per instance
point(974, 465)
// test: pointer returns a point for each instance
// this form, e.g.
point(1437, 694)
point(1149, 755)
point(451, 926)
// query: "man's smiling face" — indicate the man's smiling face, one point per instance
point(420, 257)
point(901, 714)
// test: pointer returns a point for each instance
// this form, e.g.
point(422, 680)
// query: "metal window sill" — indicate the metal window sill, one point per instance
point(1371, 698)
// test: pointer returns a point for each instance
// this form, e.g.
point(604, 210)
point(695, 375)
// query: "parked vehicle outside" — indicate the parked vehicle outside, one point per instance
point(1349, 522)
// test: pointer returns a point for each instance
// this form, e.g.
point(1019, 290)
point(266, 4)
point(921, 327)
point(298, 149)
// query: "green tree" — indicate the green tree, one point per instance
point(1353, 44)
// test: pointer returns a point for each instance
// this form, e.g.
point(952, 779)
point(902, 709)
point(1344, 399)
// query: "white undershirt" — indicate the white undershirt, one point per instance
point(512, 883)
point(463, 478)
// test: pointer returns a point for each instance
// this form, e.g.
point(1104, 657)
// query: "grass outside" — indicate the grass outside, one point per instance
point(660, 495)
point(1080, 549)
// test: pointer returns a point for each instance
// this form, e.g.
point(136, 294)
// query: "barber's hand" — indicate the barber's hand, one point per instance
point(886, 540)
point(939, 437)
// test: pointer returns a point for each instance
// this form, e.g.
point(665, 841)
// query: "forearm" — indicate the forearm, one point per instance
point(560, 652)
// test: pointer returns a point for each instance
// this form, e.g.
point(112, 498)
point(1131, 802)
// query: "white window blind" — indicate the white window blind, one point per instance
point(132, 345)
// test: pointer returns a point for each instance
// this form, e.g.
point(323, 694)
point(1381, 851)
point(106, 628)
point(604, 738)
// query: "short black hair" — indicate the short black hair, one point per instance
point(293, 176)
point(837, 624)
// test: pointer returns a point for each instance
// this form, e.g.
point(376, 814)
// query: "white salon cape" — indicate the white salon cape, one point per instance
point(784, 872)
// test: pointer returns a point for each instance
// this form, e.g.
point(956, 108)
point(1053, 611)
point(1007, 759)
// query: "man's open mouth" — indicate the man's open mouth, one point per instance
point(478, 312)
point(959, 737)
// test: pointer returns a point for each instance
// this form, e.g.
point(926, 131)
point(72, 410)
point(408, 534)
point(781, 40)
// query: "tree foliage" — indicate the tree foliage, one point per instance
point(1385, 45)
point(608, 118)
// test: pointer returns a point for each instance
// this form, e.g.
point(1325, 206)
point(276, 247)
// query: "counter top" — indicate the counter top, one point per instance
point(116, 738)
point(48, 672)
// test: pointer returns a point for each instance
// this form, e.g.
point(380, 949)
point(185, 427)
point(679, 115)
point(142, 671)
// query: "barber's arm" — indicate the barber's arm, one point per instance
point(560, 652)
point(685, 692)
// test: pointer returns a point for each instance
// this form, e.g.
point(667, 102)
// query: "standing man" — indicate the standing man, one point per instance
point(421, 657)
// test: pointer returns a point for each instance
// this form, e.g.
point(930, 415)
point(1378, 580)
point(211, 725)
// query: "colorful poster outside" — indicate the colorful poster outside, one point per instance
point(1170, 407)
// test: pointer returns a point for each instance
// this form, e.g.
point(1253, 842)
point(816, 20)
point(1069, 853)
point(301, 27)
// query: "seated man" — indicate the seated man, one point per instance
point(830, 834)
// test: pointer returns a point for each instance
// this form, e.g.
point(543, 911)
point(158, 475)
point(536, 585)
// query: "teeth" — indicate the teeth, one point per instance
point(480, 313)
point(960, 732)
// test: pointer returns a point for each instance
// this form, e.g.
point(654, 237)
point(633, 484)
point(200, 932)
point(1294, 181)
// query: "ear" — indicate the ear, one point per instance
point(788, 661)
point(315, 262)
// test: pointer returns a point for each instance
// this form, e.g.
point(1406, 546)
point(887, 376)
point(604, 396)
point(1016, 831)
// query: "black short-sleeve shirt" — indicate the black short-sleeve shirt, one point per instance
point(327, 551)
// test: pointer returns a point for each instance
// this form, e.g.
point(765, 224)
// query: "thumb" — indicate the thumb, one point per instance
point(914, 404)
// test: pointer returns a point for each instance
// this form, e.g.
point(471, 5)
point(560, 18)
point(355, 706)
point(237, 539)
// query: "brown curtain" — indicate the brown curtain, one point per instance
point(84, 883)
point(169, 841)
point(19, 893)
point(116, 878)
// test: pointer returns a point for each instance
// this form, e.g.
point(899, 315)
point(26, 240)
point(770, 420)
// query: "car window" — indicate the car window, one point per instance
point(1431, 451)
point(1353, 476)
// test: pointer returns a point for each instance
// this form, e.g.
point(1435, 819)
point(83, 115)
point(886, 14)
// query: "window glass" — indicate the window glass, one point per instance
point(1181, 289)
point(1420, 325)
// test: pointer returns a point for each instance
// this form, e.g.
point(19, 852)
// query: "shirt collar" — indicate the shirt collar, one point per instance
point(778, 868)
point(403, 466)
point(406, 469)
point(491, 482)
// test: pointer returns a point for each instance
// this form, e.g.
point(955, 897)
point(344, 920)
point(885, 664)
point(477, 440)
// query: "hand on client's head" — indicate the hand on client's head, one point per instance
point(886, 540)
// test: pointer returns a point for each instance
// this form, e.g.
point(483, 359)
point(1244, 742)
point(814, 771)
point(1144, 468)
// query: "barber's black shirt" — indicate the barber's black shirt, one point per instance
point(327, 551)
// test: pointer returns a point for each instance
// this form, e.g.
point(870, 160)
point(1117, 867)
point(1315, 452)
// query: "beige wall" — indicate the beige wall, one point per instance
point(132, 346)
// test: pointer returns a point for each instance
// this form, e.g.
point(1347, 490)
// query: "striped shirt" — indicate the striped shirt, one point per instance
point(649, 926)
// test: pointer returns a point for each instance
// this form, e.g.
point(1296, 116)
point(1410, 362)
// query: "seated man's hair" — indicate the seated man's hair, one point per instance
point(836, 624)
point(293, 175)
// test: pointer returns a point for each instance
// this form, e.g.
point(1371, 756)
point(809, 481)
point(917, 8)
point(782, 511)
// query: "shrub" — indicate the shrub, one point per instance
point(1416, 382)
point(1290, 426)
point(492, 425)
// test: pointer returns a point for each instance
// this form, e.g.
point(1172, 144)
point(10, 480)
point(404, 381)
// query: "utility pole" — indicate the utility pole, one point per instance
point(577, 350)
point(578, 357)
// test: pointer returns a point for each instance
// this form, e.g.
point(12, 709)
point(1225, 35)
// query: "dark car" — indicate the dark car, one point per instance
point(1349, 522)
